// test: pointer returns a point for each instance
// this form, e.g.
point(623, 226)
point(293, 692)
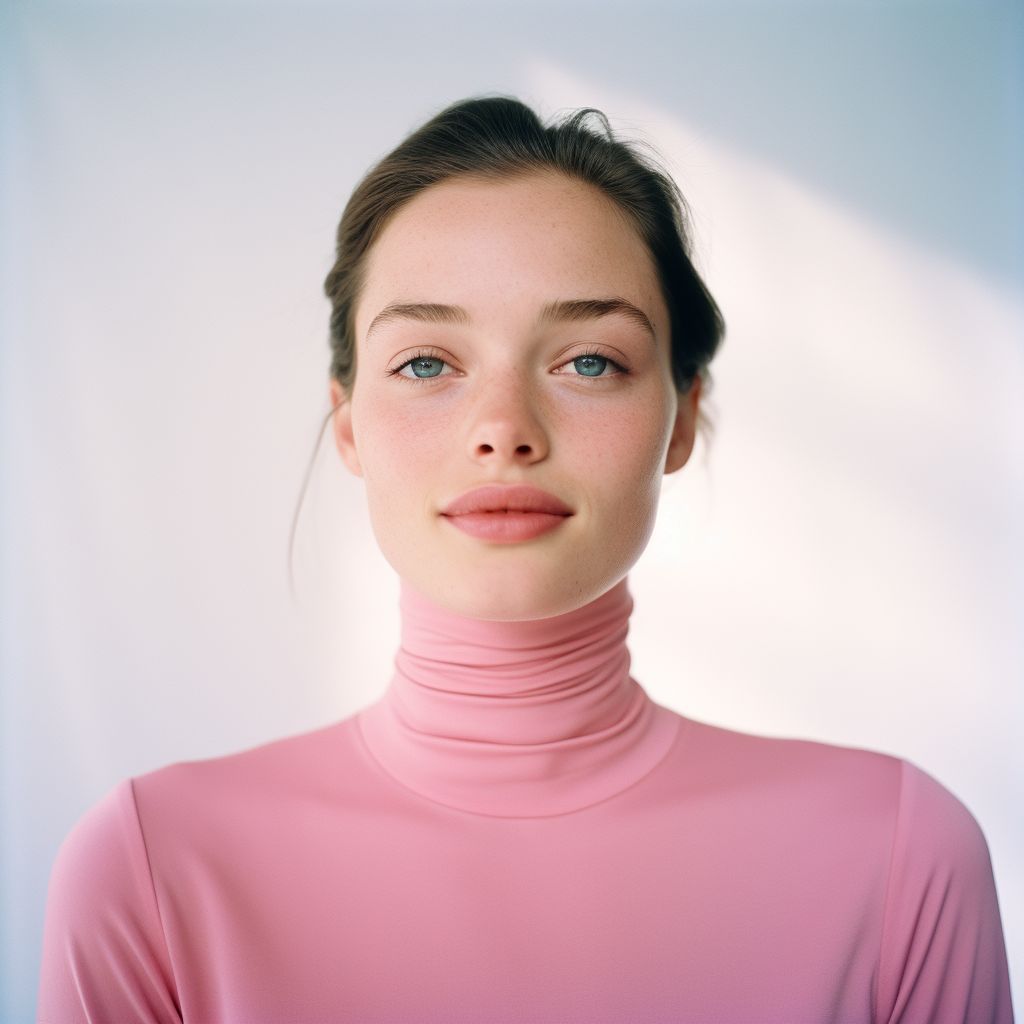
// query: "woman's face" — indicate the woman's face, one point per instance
point(512, 335)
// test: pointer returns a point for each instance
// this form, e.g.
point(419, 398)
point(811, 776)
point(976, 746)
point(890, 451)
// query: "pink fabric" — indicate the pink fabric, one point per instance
point(517, 719)
point(516, 834)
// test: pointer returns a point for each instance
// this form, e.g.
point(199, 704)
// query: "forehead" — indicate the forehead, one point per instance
point(498, 247)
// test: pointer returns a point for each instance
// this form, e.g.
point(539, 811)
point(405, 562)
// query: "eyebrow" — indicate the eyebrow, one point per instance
point(570, 310)
point(423, 312)
point(559, 312)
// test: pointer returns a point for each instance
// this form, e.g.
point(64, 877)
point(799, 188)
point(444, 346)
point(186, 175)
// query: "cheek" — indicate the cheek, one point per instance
point(400, 444)
point(617, 455)
point(619, 446)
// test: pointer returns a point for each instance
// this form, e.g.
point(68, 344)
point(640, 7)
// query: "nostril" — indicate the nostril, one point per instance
point(486, 449)
point(523, 449)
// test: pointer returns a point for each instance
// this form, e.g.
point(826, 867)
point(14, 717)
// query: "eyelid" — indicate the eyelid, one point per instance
point(591, 350)
point(426, 352)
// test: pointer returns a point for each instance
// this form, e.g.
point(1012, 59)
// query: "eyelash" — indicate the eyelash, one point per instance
point(595, 355)
point(426, 353)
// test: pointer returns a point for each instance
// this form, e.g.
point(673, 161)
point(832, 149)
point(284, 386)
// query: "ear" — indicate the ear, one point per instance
point(684, 430)
point(341, 422)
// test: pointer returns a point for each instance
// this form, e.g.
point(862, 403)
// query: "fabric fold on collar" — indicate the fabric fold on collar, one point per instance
point(517, 719)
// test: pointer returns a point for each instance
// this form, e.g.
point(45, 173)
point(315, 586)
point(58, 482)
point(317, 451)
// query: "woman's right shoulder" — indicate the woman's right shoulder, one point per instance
point(285, 769)
point(108, 847)
point(104, 954)
point(105, 846)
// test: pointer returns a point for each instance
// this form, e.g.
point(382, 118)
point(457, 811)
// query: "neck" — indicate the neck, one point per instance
point(516, 719)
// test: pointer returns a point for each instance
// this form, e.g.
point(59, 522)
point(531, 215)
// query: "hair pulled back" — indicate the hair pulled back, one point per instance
point(500, 137)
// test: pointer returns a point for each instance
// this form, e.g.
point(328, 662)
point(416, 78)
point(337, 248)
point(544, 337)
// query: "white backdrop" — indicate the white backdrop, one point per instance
point(844, 564)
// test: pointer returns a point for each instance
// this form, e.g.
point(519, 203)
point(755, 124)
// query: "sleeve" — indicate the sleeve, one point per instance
point(942, 958)
point(104, 954)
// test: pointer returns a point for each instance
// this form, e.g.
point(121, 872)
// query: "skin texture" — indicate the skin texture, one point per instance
point(509, 406)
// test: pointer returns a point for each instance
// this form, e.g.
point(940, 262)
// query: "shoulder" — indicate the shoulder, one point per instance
point(932, 819)
point(109, 853)
point(283, 769)
point(220, 811)
point(803, 772)
point(103, 945)
point(917, 829)
point(846, 814)
point(105, 847)
point(942, 952)
point(927, 829)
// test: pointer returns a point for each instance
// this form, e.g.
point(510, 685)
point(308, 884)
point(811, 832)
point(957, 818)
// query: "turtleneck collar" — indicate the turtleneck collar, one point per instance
point(516, 719)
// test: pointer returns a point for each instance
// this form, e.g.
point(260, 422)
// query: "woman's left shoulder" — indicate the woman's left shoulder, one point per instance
point(942, 941)
point(931, 819)
point(844, 815)
point(784, 770)
point(906, 806)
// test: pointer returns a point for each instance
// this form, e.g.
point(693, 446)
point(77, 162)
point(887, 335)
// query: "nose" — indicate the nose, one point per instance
point(506, 425)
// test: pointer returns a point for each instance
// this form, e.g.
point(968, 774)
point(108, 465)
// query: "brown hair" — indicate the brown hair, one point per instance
point(501, 137)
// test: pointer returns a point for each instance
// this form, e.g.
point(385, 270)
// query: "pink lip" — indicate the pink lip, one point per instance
point(506, 514)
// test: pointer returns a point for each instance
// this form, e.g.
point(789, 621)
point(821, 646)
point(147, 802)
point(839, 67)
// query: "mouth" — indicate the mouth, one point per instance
point(506, 514)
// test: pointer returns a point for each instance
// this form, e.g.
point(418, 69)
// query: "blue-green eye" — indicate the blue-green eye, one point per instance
point(424, 366)
point(590, 366)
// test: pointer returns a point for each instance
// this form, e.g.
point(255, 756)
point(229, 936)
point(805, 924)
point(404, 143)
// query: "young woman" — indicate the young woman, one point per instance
point(515, 832)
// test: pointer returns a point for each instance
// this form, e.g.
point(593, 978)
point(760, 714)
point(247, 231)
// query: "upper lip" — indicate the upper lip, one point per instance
point(506, 498)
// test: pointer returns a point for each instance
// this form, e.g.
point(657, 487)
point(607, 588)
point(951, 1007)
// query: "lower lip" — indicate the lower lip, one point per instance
point(506, 527)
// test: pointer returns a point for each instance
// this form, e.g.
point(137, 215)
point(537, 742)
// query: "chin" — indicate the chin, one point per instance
point(515, 591)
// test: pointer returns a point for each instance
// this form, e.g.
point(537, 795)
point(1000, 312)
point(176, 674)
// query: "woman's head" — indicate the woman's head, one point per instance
point(528, 368)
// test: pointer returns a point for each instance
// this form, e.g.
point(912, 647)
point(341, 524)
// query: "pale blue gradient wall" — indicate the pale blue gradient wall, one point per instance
point(848, 568)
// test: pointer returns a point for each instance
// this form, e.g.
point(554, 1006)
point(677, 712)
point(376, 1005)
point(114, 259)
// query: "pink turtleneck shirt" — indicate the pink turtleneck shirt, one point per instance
point(516, 833)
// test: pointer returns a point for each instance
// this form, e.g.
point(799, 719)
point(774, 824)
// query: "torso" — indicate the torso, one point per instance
point(743, 879)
